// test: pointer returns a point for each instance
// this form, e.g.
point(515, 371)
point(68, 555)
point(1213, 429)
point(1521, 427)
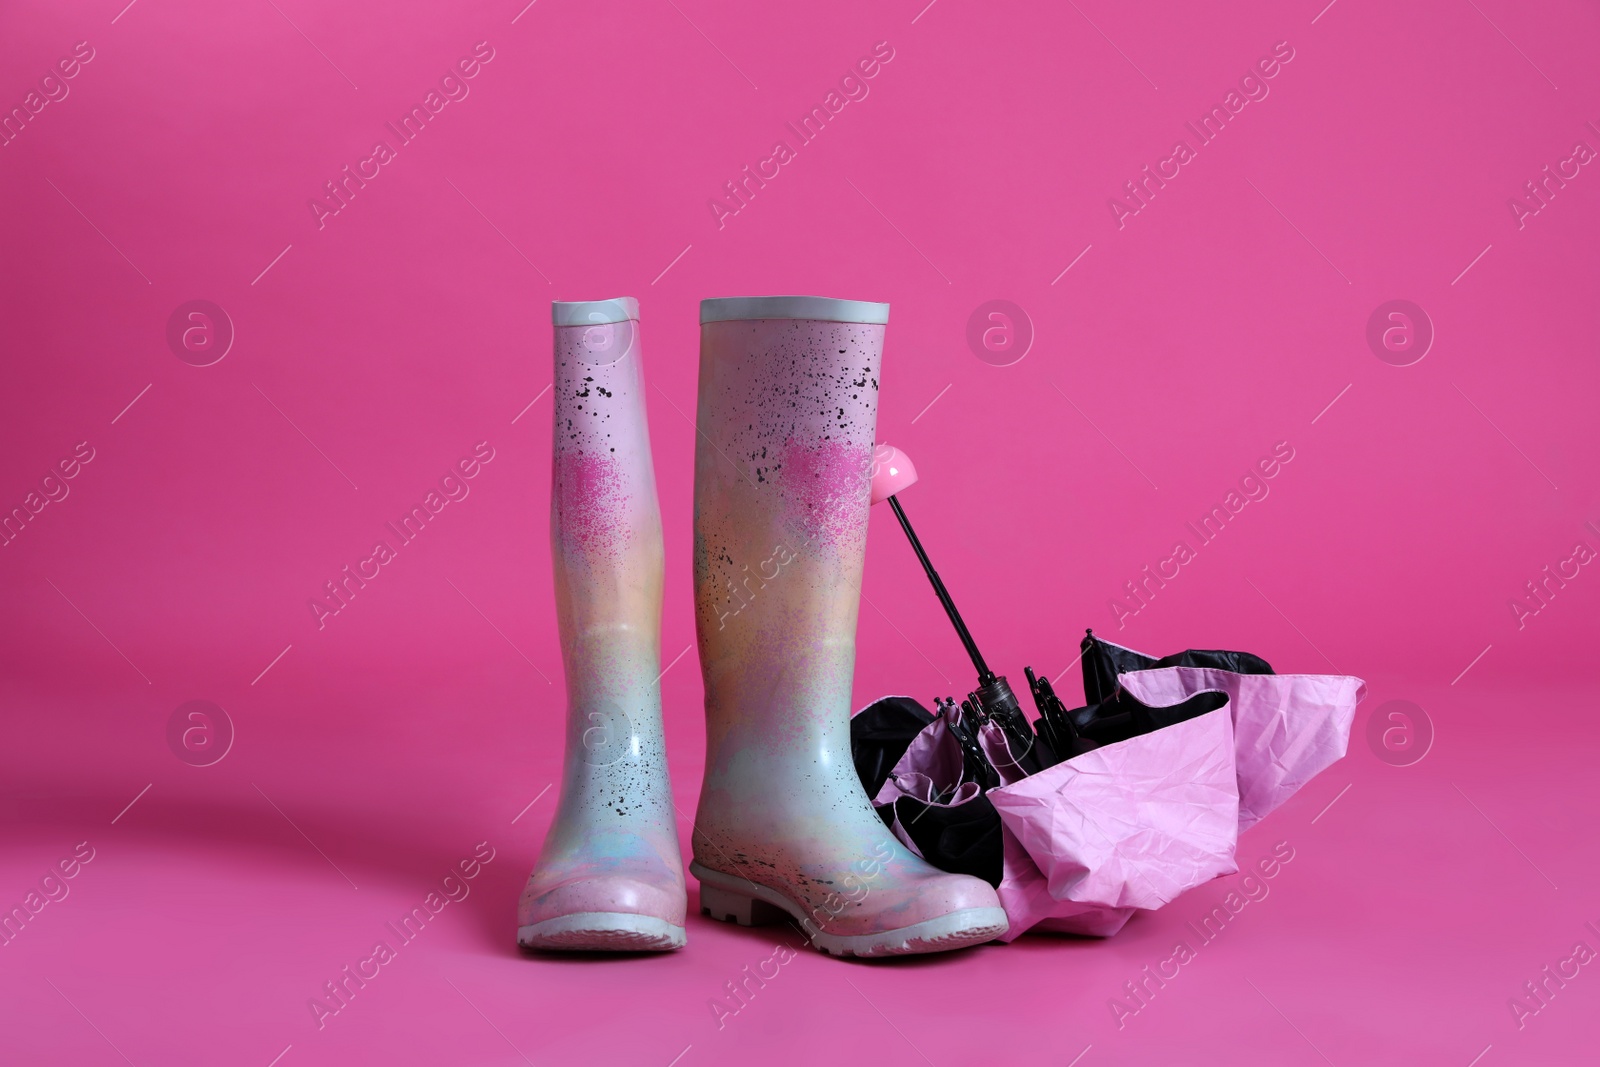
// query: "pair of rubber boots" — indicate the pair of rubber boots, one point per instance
point(788, 401)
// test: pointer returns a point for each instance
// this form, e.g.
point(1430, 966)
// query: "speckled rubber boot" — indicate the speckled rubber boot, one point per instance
point(610, 876)
point(785, 832)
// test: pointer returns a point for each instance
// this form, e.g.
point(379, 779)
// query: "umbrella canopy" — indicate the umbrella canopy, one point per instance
point(1129, 801)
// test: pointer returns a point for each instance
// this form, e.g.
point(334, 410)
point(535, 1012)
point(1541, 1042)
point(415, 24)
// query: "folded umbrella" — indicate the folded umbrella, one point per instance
point(1146, 803)
point(1103, 810)
point(1086, 842)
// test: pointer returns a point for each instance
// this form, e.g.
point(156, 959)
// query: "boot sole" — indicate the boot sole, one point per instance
point(731, 899)
point(602, 931)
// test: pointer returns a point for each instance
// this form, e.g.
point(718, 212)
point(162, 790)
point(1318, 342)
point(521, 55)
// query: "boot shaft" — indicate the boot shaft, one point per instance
point(786, 416)
point(605, 525)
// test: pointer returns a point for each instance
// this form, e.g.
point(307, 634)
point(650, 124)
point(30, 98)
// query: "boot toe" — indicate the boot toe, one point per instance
point(946, 893)
point(604, 893)
point(932, 897)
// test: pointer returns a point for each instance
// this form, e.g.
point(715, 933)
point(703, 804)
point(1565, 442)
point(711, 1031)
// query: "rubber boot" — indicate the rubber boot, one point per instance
point(610, 876)
point(785, 832)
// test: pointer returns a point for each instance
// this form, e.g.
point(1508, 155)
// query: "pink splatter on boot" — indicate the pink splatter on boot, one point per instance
point(788, 405)
point(610, 877)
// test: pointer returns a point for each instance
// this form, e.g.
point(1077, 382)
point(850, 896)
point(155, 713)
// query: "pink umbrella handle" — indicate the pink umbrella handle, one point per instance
point(892, 471)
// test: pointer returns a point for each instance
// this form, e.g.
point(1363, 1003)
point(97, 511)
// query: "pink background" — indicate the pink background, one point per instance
point(377, 350)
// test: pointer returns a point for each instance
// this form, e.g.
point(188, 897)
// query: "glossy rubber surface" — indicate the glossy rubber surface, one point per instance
point(613, 847)
point(787, 410)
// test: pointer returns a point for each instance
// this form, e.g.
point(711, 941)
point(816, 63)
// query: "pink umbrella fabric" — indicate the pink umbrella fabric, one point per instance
point(1025, 894)
point(1288, 728)
point(932, 762)
point(1132, 824)
point(936, 755)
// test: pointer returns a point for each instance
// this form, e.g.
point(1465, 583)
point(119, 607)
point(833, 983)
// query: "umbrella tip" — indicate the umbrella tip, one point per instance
point(892, 471)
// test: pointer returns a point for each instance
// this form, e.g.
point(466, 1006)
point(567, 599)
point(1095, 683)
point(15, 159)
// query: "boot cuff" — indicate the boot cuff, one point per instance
point(814, 308)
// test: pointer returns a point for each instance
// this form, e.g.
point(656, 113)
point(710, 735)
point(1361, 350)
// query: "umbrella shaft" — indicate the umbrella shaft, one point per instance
point(944, 597)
